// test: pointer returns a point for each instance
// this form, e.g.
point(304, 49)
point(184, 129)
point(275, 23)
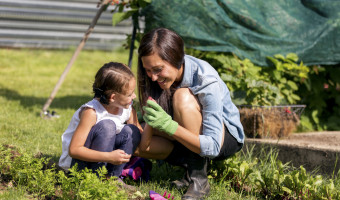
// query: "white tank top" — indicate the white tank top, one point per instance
point(65, 159)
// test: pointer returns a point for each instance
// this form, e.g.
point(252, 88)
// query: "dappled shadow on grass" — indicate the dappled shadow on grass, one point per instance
point(53, 160)
point(161, 176)
point(26, 101)
point(163, 173)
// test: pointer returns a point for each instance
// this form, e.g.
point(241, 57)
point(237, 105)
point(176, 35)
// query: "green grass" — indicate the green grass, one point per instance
point(17, 193)
point(27, 77)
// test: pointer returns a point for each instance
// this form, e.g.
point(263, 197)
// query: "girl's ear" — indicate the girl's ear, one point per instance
point(112, 97)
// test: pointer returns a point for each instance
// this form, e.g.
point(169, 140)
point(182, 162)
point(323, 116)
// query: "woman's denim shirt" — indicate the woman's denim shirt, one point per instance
point(217, 108)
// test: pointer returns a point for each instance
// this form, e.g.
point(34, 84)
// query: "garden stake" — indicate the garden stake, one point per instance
point(45, 112)
point(133, 37)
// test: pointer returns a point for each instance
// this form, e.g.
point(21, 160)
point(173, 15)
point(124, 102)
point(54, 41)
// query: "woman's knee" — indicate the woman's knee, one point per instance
point(187, 110)
point(184, 99)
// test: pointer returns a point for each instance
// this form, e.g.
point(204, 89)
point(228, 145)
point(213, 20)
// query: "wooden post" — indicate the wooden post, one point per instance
point(75, 55)
point(133, 37)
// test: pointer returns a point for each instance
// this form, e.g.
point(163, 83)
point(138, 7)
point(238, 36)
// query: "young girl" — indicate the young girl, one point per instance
point(105, 130)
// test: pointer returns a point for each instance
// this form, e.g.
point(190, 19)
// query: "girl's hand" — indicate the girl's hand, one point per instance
point(157, 118)
point(118, 157)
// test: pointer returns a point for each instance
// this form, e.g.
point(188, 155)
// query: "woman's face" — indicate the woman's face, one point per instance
point(161, 71)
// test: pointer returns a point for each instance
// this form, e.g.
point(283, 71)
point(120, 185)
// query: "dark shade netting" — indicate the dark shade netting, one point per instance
point(254, 29)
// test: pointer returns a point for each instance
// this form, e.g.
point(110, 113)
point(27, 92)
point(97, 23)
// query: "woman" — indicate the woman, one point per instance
point(192, 118)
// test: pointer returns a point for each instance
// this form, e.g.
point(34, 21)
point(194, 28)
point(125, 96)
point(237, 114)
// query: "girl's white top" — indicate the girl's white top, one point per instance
point(65, 159)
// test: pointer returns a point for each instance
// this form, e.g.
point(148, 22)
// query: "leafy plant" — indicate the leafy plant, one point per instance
point(255, 85)
point(287, 76)
point(266, 177)
point(88, 185)
point(43, 180)
point(242, 78)
point(125, 9)
point(321, 94)
point(284, 81)
point(27, 171)
point(270, 176)
point(234, 170)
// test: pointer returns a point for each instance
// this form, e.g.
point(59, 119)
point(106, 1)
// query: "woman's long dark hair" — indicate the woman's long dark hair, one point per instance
point(170, 48)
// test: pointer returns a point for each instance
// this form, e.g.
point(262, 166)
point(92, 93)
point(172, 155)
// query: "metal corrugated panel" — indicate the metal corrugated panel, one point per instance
point(58, 24)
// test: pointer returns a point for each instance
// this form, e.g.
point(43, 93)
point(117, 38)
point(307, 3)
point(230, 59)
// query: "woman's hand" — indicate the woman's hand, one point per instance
point(157, 118)
point(118, 157)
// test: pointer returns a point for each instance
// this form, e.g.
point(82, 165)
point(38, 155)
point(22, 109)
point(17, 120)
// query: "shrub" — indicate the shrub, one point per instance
point(283, 81)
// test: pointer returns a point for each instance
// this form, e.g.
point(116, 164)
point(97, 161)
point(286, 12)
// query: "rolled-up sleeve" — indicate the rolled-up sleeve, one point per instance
point(209, 95)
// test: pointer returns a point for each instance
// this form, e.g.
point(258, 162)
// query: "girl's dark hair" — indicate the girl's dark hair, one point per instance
point(170, 47)
point(111, 78)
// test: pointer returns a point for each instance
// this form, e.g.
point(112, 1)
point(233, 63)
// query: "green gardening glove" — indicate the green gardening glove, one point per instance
point(157, 118)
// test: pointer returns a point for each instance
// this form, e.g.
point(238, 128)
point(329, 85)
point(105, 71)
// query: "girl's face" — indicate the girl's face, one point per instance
point(161, 71)
point(124, 100)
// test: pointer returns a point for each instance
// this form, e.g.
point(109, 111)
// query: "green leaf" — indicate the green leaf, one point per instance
point(239, 97)
point(290, 99)
point(279, 66)
point(286, 190)
point(144, 3)
point(295, 97)
point(315, 116)
point(306, 123)
point(288, 66)
point(292, 85)
point(137, 194)
point(277, 75)
point(286, 92)
point(318, 180)
point(292, 56)
point(243, 167)
point(273, 60)
point(279, 56)
point(120, 16)
point(226, 77)
point(331, 185)
point(121, 8)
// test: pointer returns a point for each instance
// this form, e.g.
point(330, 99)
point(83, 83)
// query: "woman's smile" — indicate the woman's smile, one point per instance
point(161, 81)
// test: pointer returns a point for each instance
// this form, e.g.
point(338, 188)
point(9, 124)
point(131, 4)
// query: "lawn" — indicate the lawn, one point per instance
point(27, 77)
